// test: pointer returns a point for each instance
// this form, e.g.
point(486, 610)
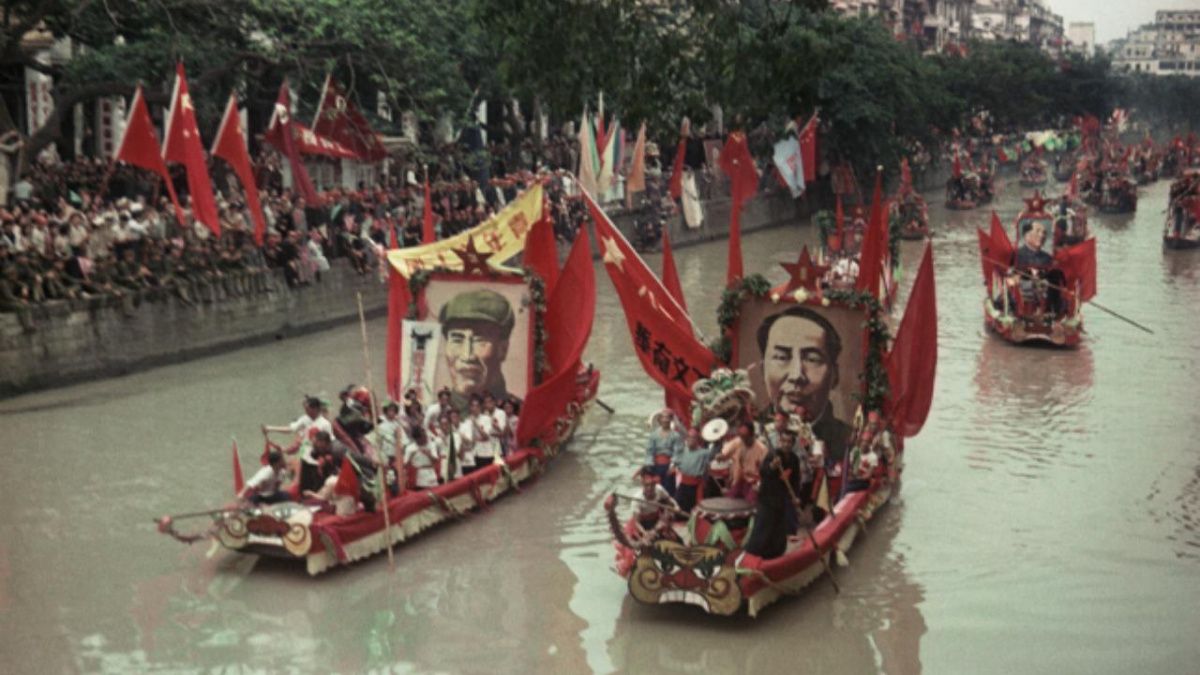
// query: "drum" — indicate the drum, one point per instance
point(722, 522)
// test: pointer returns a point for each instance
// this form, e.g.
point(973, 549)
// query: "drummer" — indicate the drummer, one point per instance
point(745, 453)
point(661, 447)
point(691, 465)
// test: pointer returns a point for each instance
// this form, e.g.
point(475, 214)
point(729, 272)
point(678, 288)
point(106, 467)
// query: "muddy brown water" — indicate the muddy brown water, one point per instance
point(1047, 521)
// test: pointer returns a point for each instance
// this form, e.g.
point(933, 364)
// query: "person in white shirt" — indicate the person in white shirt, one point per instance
point(422, 462)
point(310, 420)
point(511, 408)
point(452, 445)
point(389, 434)
point(487, 442)
point(266, 485)
point(468, 435)
point(499, 424)
point(441, 407)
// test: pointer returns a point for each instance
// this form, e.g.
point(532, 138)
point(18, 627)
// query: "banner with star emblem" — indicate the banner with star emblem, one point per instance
point(661, 330)
point(181, 144)
point(489, 243)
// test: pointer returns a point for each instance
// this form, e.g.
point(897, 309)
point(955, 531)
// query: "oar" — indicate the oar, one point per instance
point(604, 405)
point(1097, 305)
point(197, 514)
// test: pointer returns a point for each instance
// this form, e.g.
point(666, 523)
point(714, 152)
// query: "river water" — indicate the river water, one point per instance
point(1047, 523)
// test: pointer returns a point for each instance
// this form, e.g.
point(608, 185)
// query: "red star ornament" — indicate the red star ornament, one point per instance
point(474, 261)
point(804, 273)
point(1036, 203)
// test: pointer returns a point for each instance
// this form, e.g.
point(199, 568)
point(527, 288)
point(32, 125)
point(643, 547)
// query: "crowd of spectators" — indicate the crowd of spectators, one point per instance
point(84, 232)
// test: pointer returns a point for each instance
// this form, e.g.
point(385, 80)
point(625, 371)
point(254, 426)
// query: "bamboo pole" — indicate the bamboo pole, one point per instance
point(387, 518)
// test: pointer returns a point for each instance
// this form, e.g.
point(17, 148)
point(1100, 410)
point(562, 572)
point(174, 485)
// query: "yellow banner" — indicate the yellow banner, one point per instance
point(503, 236)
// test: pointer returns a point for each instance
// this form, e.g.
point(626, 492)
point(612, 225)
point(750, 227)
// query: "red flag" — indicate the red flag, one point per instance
point(808, 149)
point(570, 311)
point(239, 483)
point(541, 251)
point(281, 134)
point(428, 234)
point(398, 300)
point(1078, 264)
point(676, 185)
point(339, 120)
point(230, 145)
point(995, 250)
point(840, 219)
point(1073, 186)
point(874, 247)
point(347, 481)
point(912, 361)
point(139, 146)
point(737, 163)
point(181, 144)
point(956, 166)
point(670, 277)
point(905, 176)
point(661, 330)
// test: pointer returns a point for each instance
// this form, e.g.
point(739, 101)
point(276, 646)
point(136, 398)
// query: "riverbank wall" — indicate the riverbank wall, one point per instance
point(74, 344)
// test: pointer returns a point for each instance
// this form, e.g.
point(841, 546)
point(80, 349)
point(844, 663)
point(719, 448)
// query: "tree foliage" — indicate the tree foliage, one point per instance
point(763, 61)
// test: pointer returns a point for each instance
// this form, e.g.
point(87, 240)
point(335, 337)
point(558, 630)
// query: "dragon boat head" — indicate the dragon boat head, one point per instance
point(668, 572)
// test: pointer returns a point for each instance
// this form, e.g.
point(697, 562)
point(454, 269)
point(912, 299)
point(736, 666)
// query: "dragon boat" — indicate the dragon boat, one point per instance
point(969, 190)
point(1182, 230)
point(437, 291)
point(1033, 172)
point(908, 212)
point(707, 558)
point(1035, 298)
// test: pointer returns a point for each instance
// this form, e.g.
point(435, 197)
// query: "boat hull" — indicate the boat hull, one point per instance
point(1065, 332)
point(723, 582)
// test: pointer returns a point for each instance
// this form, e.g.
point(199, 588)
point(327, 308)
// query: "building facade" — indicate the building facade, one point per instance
point(1169, 46)
point(1081, 37)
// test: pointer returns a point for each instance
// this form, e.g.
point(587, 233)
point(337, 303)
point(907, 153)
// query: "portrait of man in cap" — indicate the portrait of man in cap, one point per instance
point(484, 335)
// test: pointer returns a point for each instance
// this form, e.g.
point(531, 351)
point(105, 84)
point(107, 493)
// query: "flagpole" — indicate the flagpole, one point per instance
point(387, 518)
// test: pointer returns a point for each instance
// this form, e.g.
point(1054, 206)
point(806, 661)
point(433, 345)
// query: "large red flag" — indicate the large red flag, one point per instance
point(139, 146)
point(541, 251)
point(281, 133)
point(570, 311)
point(239, 482)
point(338, 119)
point(737, 163)
point(808, 148)
point(874, 247)
point(670, 277)
point(661, 330)
point(912, 361)
point(1078, 264)
point(230, 145)
point(181, 143)
point(428, 234)
point(995, 250)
